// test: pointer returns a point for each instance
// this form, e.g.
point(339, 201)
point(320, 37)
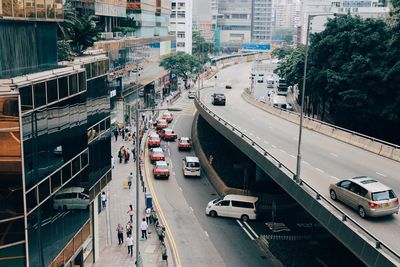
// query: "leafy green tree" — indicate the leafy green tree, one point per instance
point(201, 48)
point(64, 51)
point(83, 33)
point(183, 64)
point(284, 35)
point(282, 52)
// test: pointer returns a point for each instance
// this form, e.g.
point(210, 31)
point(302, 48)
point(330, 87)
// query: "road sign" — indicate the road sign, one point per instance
point(256, 47)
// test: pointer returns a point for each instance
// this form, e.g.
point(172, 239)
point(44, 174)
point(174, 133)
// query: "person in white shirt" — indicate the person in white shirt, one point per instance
point(103, 200)
point(129, 244)
point(148, 214)
point(143, 227)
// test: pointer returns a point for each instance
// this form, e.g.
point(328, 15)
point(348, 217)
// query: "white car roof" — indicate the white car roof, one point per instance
point(192, 159)
point(154, 135)
point(240, 198)
point(162, 121)
point(157, 149)
point(184, 138)
point(161, 163)
point(75, 189)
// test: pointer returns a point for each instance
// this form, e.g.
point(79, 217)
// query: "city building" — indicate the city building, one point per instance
point(366, 9)
point(151, 17)
point(181, 24)
point(261, 21)
point(54, 142)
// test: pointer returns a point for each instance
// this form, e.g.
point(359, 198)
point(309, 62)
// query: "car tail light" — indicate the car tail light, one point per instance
point(396, 202)
point(374, 205)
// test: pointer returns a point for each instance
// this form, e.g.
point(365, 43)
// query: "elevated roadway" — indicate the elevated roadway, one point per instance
point(325, 161)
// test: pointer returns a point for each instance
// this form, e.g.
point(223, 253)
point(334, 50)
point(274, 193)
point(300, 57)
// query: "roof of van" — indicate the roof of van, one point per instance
point(241, 198)
point(75, 189)
point(192, 159)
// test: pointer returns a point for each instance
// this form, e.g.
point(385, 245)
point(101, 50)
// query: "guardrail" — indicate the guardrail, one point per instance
point(310, 190)
point(374, 145)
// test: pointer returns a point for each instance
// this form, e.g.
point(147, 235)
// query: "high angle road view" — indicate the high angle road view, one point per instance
point(191, 133)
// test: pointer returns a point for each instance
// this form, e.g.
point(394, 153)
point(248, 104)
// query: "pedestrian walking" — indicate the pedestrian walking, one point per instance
point(130, 179)
point(133, 154)
point(148, 214)
point(126, 153)
point(112, 162)
point(129, 244)
point(144, 227)
point(121, 154)
point(123, 134)
point(131, 212)
point(115, 134)
point(120, 234)
point(103, 200)
point(129, 228)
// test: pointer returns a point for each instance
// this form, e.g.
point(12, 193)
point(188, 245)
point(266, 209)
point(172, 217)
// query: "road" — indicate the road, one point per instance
point(325, 160)
point(200, 240)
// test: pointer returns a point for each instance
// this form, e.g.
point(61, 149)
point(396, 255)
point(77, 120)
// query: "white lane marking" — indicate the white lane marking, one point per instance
point(318, 169)
point(180, 188)
point(292, 156)
point(251, 229)
point(334, 177)
point(205, 232)
point(335, 155)
point(380, 174)
point(305, 162)
point(170, 163)
point(169, 153)
point(191, 209)
point(283, 151)
point(258, 137)
point(241, 225)
point(273, 146)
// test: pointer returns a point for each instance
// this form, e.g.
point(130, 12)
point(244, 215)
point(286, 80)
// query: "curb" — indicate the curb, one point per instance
point(219, 185)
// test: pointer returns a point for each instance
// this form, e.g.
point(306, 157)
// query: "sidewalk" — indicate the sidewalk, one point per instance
point(118, 201)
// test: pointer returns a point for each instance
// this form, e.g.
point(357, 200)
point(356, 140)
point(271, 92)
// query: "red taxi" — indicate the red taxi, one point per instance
point(156, 154)
point(168, 134)
point(167, 116)
point(184, 143)
point(161, 124)
point(161, 170)
point(153, 140)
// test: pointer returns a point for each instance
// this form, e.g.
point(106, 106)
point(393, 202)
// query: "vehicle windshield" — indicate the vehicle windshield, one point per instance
point(162, 167)
point(217, 200)
point(193, 164)
point(218, 95)
point(154, 138)
point(384, 195)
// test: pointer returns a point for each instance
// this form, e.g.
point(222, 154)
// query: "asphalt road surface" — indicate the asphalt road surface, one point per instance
point(325, 160)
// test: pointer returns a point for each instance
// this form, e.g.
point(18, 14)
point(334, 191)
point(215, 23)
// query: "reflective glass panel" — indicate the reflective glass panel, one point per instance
point(73, 84)
point(52, 92)
point(39, 93)
point(7, 8)
point(19, 10)
point(63, 87)
point(40, 9)
point(26, 97)
point(50, 9)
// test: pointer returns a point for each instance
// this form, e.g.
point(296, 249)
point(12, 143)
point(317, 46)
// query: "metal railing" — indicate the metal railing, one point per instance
point(343, 215)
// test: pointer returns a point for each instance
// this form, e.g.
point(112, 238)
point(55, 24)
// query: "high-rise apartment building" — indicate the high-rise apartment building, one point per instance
point(54, 142)
point(261, 20)
point(181, 24)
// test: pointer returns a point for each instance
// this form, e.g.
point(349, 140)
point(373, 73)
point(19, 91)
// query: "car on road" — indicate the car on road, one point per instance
point(290, 107)
point(168, 134)
point(191, 94)
point(156, 154)
point(228, 86)
point(161, 124)
point(191, 166)
point(153, 140)
point(218, 99)
point(366, 195)
point(71, 198)
point(167, 116)
point(161, 170)
point(184, 143)
point(234, 206)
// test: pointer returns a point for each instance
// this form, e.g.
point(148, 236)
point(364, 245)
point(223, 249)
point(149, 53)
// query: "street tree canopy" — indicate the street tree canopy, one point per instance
point(201, 48)
point(183, 65)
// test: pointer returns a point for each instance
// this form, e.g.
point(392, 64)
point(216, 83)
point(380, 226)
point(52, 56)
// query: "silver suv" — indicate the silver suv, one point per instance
point(366, 195)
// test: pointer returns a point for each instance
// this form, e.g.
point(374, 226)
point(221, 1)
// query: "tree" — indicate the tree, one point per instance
point(283, 35)
point(182, 64)
point(64, 51)
point(83, 33)
point(201, 48)
point(282, 52)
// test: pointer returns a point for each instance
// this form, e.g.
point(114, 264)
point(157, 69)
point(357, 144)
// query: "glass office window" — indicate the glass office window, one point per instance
point(76, 165)
point(58, 4)
point(44, 190)
point(82, 81)
point(32, 199)
point(39, 94)
point(66, 173)
point(84, 159)
point(19, 10)
point(52, 92)
point(73, 84)
point(40, 9)
point(63, 87)
point(26, 97)
point(50, 9)
point(56, 181)
point(88, 71)
point(7, 8)
point(30, 8)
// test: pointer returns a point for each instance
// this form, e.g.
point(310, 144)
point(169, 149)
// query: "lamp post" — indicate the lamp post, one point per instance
point(138, 167)
point(298, 164)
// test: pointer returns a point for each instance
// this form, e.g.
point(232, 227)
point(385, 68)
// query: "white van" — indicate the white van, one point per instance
point(71, 198)
point(191, 166)
point(234, 206)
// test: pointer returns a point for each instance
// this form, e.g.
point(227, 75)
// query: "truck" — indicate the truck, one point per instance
point(282, 87)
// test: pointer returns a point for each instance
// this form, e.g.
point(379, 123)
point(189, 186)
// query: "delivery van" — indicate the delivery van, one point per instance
point(233, 206)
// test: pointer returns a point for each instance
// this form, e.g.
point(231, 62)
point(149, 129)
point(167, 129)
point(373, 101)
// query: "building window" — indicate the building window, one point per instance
point(26, 97)
point(73, 84)
point(39, 91)
point(52, 92)
point(63, 87)
point(181, 34)
point(180, 44)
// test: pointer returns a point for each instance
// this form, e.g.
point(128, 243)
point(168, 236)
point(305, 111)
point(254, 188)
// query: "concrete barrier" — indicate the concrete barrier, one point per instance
point(396, 154)
point(386, 151)
point(374, 147)
point(342, 135)
point(324, 129)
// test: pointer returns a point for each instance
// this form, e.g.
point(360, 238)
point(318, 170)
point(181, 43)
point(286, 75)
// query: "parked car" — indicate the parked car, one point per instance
point(234, 206)
point(184, 143)
point(156, 154)
point(228, 86)
point(167, 116)
point(153, 140)
point(70, 198)
point(366, 195)
point(191, 166)
point(218, 99)
point(161, 124)
point(168, 134)
point(161, 170)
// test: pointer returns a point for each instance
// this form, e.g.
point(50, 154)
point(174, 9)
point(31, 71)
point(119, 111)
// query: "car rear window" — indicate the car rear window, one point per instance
point(384, 195)
point(193, 164)
point(242, 204)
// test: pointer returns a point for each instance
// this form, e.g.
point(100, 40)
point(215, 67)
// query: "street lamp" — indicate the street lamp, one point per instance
point(298, 164)
point(138, 167)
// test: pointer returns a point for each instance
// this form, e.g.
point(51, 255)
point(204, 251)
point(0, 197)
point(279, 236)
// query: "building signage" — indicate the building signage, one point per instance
point(256, 47)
